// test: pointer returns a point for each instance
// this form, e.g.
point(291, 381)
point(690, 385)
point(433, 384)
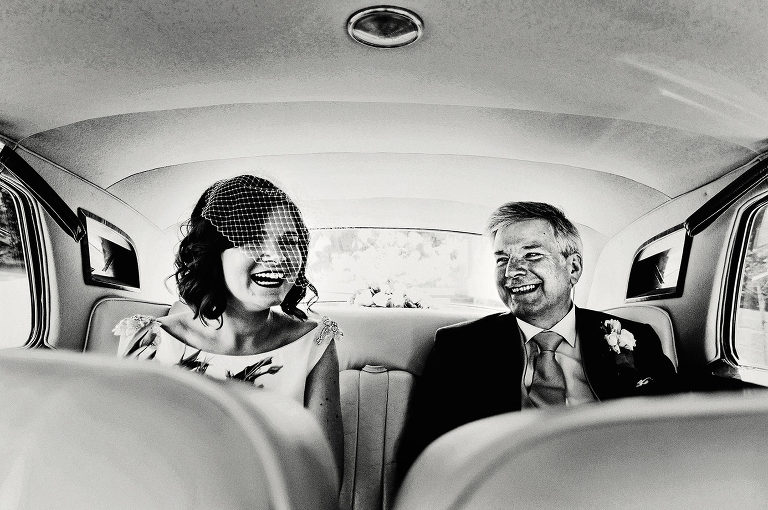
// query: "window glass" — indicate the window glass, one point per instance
point(109, 257)
point(751, 333)
point(659, 267)
point(15, 300)
point(406, 268)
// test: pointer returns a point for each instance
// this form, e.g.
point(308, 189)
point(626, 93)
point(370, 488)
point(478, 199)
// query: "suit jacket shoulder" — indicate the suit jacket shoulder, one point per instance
point(478, 329)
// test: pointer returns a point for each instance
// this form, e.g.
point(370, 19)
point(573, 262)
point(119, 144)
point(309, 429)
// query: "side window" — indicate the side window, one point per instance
point(15, 295)
point(750, 338)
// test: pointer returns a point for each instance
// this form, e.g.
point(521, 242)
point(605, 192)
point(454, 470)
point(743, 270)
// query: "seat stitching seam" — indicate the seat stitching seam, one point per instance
point(384, 443)
point(357, 438)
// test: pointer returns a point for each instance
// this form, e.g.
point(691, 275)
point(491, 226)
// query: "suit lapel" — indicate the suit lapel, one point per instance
point(597, 359)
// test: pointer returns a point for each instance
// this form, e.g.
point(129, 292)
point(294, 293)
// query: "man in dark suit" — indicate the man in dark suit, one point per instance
point(544, 351)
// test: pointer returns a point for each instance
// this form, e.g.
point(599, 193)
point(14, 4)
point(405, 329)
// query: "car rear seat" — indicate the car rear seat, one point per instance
point(380, 354)
point(382, 350)
point(99, 432)
point(682, 451)
point(107, 312)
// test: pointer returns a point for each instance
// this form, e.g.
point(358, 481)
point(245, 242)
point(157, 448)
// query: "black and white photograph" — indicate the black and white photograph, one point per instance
point(338, 255)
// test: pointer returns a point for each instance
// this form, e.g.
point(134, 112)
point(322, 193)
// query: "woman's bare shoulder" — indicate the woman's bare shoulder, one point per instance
point(292, 327)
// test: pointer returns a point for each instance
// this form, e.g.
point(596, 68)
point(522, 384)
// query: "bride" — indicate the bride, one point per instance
point(240, 273)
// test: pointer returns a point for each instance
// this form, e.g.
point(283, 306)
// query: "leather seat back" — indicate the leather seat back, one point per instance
point(107, 312)
point(99, 432)
point(657, 318)
point(380, 354)
point(382, 351)
point(685, 451)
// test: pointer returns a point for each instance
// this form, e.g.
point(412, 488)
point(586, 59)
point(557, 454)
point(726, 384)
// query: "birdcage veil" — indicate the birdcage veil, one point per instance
point(263, 222)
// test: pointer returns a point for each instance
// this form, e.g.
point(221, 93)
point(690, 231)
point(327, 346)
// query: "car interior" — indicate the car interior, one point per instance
point(396, 130)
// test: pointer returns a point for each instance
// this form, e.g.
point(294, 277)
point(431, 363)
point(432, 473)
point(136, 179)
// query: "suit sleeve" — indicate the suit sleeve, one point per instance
point(428, 418)
point(652, 363)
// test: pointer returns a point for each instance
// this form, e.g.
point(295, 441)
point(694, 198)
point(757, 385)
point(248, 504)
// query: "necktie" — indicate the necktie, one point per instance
point(548, 385)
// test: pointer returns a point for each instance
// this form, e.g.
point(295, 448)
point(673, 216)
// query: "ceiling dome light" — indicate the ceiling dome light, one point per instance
point(385, 27)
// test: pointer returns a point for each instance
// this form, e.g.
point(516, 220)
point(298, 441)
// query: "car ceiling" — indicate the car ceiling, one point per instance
point(607, 109)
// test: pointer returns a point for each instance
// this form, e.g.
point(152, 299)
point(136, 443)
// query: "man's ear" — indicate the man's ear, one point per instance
point(573, 263)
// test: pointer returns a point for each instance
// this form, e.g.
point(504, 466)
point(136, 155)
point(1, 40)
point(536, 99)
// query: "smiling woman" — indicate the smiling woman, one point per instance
point(240, 275)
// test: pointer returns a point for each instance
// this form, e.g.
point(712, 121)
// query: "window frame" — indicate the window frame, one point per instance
point(727, 362)
point(665, 293)
point(33, 246)
point(95, 279)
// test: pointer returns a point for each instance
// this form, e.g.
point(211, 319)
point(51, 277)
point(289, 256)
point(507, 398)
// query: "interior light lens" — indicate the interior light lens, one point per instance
point(385, 27)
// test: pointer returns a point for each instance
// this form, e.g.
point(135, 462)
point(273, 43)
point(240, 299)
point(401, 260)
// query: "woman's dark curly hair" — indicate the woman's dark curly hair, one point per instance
point(200, 276)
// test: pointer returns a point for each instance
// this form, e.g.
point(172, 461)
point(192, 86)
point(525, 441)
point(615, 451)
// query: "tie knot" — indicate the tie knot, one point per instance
point(547, 340)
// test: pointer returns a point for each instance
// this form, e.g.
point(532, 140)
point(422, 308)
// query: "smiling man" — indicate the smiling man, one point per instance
point(543, 352)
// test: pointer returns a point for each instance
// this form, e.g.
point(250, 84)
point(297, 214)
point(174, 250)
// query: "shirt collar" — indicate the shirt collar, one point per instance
point(566, 328)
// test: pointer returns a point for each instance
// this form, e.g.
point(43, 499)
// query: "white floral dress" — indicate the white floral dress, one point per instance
point(283, 370)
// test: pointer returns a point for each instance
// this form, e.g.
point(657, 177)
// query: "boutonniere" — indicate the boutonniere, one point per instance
point(622, 342)
point(617, 337)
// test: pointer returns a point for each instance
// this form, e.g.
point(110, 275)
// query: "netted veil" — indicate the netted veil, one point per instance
point(262, 221)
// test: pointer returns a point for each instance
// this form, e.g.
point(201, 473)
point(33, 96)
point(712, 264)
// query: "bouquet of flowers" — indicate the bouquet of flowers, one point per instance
point(387, 295)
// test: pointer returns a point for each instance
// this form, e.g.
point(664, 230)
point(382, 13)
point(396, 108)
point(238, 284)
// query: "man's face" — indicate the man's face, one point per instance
point(533, 277)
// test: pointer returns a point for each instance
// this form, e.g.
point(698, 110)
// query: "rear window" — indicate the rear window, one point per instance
point(427, 268)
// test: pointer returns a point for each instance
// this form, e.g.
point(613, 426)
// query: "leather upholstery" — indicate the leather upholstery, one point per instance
point(98, 432)
point(374, 407)
point(396, 338)
point(381, 352)
point(379, 355)
point(659, 321)
point(106, 313)
point(683, 451)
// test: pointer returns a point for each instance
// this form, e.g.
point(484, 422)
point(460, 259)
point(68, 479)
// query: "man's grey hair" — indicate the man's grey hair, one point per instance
point(566, 233)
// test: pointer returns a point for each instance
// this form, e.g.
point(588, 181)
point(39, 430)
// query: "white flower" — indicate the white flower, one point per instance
point(397, 301)
point(380, 299)
point(613, 325)
point(613, 341)
point(627, 340)
point(363, 298)
point(618, 338)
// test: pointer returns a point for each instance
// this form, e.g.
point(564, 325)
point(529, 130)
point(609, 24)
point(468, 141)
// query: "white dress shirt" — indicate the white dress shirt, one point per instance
point(567, 354)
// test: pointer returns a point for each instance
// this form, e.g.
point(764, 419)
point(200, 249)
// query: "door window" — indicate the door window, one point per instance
point(15, 294)
point(751, 331)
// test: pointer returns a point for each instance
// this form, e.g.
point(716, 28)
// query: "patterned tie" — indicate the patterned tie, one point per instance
point(548, 385)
